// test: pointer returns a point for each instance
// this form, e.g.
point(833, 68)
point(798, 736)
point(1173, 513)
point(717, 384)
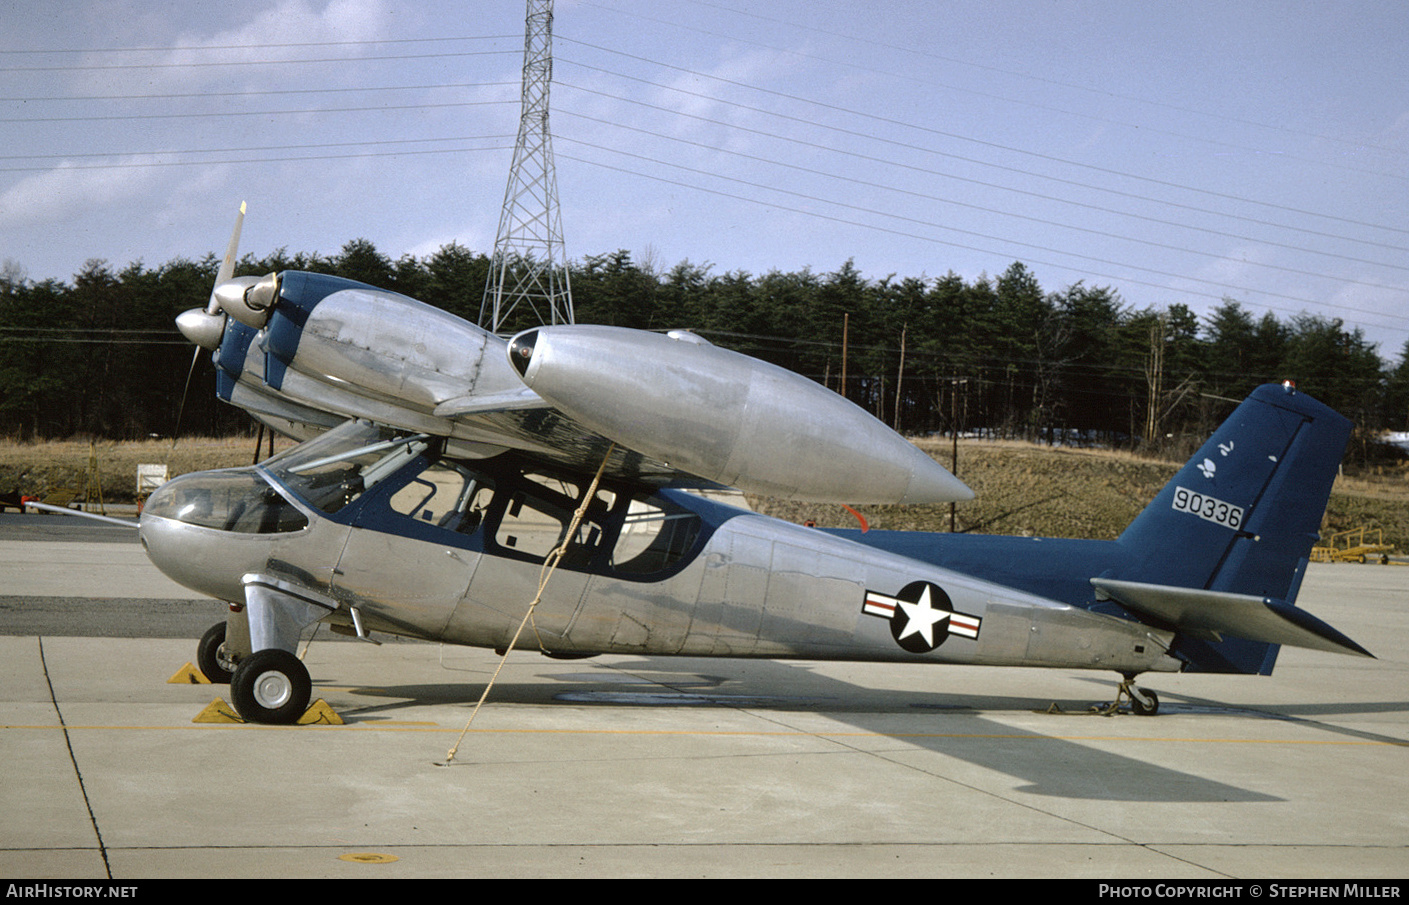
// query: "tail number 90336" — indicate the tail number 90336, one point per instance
point(1208, 508)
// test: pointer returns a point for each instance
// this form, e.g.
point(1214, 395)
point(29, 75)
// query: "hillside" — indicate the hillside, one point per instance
point(1044, 492)
point(1022, 488)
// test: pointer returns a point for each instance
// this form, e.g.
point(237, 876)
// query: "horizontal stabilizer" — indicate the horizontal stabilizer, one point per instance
point(1211, 614)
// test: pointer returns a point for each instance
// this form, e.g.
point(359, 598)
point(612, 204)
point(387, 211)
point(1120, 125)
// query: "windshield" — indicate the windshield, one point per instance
point(333, 470)
point(238, 500)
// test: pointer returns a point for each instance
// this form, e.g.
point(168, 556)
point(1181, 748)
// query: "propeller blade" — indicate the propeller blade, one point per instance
point(181, 409)
point(204, 328)
point(227, 264)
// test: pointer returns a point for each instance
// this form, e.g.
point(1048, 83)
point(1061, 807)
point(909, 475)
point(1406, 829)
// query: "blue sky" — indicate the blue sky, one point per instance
point(1179, 152)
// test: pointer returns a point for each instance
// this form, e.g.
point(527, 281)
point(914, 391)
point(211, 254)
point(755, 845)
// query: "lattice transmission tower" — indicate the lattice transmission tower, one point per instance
point(529, 265)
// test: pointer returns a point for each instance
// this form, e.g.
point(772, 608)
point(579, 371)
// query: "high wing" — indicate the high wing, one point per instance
point(303, 352)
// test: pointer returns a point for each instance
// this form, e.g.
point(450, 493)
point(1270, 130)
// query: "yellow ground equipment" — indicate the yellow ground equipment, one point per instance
point(1355, 545)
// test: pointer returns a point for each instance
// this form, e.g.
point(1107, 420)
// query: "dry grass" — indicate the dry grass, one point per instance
point(1038, 491)
point(1022, 488)
point(39, 469)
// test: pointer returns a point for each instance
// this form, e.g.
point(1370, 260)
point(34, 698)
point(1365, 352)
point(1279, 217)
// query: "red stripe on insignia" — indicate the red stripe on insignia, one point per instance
point(959, 624)
point(879, 605)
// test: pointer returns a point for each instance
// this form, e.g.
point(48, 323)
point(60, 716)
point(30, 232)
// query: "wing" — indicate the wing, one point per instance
point(303, 352)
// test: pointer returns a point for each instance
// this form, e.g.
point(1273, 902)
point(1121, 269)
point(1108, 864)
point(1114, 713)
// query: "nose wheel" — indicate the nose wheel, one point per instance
point(271, 686)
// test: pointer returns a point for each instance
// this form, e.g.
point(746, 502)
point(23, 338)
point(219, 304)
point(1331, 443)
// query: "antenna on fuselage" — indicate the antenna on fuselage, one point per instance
point(530, 263)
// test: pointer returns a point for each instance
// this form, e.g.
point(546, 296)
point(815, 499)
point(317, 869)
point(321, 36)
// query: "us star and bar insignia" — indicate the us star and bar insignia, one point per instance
point(922, 617)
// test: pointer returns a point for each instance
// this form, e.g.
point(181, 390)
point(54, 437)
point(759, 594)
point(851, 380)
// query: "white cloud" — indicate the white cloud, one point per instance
point(296, 21)
point(67, 191)
point(261, 43)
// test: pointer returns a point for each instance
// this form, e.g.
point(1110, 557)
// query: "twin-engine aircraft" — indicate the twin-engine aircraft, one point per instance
point(443, 466)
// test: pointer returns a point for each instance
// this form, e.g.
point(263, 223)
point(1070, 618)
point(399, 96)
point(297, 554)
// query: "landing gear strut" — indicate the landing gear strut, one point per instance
point(1143, 702)
point(272, 685)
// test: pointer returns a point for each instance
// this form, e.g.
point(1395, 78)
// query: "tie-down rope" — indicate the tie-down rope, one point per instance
point(550, 564)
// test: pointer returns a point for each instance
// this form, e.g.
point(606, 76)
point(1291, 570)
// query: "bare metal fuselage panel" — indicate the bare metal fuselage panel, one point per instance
point(452, 550)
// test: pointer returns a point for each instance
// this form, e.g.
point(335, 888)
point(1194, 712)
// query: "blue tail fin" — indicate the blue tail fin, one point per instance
point(1237, 523)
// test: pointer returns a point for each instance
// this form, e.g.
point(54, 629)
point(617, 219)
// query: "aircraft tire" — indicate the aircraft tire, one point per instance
point(271, 686)
point(1143, 702)
point(210, 655)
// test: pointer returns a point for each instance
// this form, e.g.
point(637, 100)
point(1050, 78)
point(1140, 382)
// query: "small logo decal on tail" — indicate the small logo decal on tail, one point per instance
point(921, 616)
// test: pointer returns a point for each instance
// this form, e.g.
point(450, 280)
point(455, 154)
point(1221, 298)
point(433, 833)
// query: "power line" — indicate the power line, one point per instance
point(204, 95)
point(1144, 127)
point(263, 44)
point(984, 67)
point(1047, 222)
point(223, 114)
point(1028, 173)
point(276, 159)
point(98, 67)
point(989, 251)
point(864, 132)
point(967, 139)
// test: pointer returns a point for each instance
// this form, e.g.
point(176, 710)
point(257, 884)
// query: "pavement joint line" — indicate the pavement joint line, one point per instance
point(720, 733)
point(73, 759)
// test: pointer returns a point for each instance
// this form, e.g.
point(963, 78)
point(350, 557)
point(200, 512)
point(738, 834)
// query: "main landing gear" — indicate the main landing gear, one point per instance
point(213, 658)
point(1143, 702)
point(271, 686)
point(253, 649)
point(268, 686)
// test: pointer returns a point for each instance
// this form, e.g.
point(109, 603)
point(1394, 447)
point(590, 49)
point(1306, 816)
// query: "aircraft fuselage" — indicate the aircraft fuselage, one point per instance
point(452, 550)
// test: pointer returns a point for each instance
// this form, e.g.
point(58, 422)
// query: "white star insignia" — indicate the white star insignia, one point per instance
point(921, 617)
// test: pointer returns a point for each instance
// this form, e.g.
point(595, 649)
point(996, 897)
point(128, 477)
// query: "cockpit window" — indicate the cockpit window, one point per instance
point(627, 535)
point(338, 467)
point(538, 511)
point(495, 505)
point(446, 495)
point(655, 536)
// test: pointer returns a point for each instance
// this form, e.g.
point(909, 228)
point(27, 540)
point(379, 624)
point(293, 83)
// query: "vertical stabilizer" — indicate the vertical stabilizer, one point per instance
point(1242, 515)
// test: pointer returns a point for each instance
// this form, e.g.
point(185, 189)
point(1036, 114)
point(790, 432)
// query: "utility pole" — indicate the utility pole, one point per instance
point(900, 375)
point(845, 325)
point(529, 263)
point(1154, 382)
point(954, 384)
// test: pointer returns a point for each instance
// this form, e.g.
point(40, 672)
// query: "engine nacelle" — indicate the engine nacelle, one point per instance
point(726, 417)
point(323, 344)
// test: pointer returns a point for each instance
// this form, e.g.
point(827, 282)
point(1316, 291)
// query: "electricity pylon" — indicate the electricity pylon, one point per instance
point(529, 263)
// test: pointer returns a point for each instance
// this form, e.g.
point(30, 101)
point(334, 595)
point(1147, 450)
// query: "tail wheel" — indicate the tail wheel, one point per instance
point(271, 686)
point(1143, 702)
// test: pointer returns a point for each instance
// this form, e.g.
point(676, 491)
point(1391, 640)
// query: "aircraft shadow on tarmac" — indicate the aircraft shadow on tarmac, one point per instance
point(952, 725)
